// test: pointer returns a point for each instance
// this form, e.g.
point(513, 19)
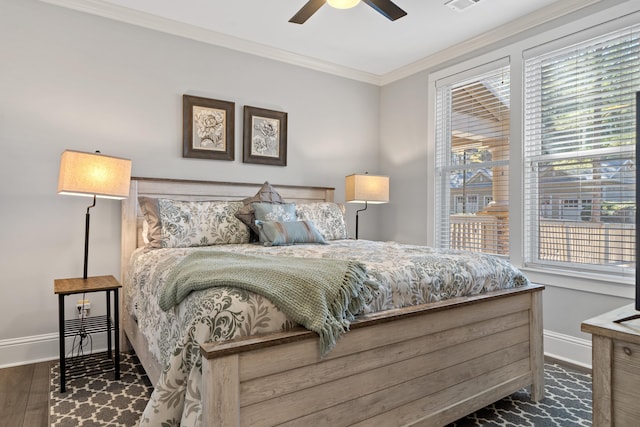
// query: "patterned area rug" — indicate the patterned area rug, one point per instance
point(567, 402)
point(99, 400)
point(96, 399)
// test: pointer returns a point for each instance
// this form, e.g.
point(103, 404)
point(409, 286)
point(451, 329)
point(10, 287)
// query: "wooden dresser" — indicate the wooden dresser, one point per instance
point(616, 368)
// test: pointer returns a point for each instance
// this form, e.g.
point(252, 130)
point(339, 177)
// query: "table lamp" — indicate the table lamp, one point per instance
point(93, 175)
point(366, 189)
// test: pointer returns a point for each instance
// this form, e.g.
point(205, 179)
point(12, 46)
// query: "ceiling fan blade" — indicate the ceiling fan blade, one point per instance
point(306, 11)
point(387, 8)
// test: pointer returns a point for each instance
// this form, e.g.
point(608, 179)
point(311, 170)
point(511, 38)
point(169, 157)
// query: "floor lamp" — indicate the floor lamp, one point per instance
point(366, 189)
point(93, 175)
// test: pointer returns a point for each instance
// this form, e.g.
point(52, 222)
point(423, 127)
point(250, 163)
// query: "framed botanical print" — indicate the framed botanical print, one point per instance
point(265, 136)
point(208, 128)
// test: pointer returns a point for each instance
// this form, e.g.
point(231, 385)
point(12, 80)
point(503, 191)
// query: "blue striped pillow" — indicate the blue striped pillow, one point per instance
point(280, 233)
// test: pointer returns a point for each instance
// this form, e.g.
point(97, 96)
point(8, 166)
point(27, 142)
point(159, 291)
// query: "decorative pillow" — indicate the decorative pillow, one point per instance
point(328, 218)
point(266, 194)
point(145, 232)
point(279, 233)
point(200, 223)
point(275, 211)
point(188, 223)
point(152, 236)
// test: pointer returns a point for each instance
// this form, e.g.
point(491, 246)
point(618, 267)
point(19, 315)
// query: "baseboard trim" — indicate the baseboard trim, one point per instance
point(569, 349)
point(40, 348)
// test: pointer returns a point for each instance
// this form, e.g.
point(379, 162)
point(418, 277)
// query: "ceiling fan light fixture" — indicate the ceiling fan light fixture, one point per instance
point(386, 8)
point(343, 4)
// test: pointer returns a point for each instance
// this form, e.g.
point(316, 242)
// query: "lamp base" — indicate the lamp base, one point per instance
point(86, 238)
point(358, 216)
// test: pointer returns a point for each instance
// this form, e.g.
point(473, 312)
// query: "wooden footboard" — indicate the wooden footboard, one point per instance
point(423, 365)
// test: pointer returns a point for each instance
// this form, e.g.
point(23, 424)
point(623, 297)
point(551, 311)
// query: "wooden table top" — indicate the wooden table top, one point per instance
point(78, 285)
point(605, 324)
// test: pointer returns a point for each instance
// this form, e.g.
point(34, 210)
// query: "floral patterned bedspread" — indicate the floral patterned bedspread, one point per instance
point(407, 275)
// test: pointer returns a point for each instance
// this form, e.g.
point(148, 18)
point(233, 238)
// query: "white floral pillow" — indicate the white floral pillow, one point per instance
point(200, 223)
point(326, 216)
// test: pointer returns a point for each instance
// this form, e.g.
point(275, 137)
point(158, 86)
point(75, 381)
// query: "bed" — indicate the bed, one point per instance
point(425, 362)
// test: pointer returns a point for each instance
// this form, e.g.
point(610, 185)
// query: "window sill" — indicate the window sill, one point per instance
point(581, 281)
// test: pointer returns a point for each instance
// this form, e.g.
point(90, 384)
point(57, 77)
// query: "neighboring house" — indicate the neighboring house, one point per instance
point(564, 195)
point(471, 191)
point(574, 196)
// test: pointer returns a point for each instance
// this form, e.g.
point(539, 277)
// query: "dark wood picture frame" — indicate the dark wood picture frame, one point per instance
point(265, 136)
point(208, 128)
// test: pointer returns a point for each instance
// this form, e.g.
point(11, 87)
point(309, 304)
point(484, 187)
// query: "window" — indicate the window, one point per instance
point(472, 203)
point(459, 204)
point(580, 163)
point(472, 161)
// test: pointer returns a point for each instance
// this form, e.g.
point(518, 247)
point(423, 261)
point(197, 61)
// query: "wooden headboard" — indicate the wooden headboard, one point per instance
point(196, 190)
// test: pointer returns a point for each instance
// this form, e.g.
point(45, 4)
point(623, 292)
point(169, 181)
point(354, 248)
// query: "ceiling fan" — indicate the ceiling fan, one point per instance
point(385, 7)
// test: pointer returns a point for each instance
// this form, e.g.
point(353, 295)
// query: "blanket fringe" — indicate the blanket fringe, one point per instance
point(356, 291)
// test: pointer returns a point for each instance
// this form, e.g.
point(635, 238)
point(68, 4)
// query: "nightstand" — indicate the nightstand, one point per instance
point(89, 325)
point(615, 368)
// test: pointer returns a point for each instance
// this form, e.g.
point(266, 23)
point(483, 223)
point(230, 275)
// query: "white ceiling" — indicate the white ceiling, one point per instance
point(358, 43)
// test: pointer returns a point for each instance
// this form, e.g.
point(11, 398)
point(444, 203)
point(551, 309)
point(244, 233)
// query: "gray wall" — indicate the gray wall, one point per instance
point(69, 80)
point(404, 155)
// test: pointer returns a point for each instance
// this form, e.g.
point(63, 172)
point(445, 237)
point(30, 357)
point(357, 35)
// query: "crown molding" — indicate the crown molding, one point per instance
point(146, 20)
point(512, 28)
point(142, 19)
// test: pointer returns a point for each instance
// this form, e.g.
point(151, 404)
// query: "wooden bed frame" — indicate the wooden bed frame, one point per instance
point(424, 365)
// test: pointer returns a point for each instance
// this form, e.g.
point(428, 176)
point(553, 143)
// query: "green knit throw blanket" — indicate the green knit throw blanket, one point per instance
point(321, 294)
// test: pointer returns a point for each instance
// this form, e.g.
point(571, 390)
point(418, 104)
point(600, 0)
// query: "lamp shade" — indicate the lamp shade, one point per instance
point(93, 174)
point(367, 188)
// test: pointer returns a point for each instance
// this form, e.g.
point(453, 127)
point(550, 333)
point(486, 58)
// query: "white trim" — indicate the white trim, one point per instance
point(597, 284)
point(584, 35)
point(539, 17)
point(40, 348)
point(146, 20)
point(473, 71)
point(570, 349)
point(25, 350)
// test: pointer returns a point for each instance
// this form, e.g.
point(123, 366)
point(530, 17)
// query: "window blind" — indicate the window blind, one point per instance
point(580, 160)
point(472, 162)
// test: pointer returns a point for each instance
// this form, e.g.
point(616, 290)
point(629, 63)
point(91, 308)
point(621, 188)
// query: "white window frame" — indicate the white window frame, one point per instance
point(590, 26)
point(459, 74)
point(569, 208)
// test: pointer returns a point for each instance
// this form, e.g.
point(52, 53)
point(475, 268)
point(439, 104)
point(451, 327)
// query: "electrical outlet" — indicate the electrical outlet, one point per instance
point(83, 307)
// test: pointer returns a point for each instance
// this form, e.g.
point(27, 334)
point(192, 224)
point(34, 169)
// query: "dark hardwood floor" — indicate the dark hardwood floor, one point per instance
point(24, 395)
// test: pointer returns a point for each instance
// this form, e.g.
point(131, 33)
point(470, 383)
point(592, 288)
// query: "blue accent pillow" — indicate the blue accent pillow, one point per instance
point(280, 233)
